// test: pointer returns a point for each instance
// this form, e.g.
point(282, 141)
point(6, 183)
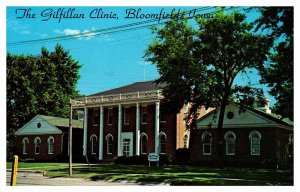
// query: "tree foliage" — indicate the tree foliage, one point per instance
point(40, 84)
point(278, 73)
point(199, 65)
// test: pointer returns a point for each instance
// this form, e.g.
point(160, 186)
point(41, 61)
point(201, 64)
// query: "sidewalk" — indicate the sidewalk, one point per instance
point(35, 177)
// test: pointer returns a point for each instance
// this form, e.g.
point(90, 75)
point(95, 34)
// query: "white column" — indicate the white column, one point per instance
point(101, 134)
point(85, 131)
point(157, 127)
point(137, 131)
point(119, 130)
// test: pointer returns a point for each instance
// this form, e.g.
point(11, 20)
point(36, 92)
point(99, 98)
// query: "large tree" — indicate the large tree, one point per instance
point(198, 65)
point(278, 24)
point(40, 84)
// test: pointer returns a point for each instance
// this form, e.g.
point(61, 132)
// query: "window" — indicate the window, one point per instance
point(109, 140)
point(206, 139)
point(230, 115)
point(255, 137)
point(93, 140)
point(144, 115)
point(230, 143)
point(25, 142)
point(110, 116)
point(185, 141)
point(162, 142)
point(144, 143)
point(126, 116)
point(163, 116)
point(96, 117)
point(37, 145)
point(50, 142)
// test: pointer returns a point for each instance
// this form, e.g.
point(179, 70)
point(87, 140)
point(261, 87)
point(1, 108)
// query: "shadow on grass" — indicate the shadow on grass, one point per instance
point(181, 175)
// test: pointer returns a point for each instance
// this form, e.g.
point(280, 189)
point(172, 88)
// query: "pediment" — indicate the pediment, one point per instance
point(234, 118)
point(36, 126)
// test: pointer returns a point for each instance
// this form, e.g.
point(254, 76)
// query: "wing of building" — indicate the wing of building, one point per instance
point(249, 136)
point(46, 138)
point(130, 120)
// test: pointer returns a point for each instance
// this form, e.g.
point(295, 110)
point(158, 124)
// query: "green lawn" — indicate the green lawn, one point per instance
point(174, 175)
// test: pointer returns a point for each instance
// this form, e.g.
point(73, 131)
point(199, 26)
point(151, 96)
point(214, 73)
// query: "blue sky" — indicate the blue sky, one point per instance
point(109, 60)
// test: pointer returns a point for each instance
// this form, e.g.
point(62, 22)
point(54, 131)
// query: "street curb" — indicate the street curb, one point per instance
point(29, 171)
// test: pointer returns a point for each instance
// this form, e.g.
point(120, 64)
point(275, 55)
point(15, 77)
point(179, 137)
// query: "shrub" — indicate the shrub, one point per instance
point(143, 160)
point(166, 159)
point(132, 160)
point(182, 156)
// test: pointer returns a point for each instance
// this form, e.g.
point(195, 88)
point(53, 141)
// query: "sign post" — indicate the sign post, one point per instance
point(13, 180)
point(153, 157)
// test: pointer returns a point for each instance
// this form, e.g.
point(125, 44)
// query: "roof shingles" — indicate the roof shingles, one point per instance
point(134, 87)
point(62, 122)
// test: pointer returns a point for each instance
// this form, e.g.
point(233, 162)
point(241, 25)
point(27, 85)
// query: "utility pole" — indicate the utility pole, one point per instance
point(70, 140)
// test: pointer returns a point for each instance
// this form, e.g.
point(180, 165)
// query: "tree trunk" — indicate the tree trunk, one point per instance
point(220, 150)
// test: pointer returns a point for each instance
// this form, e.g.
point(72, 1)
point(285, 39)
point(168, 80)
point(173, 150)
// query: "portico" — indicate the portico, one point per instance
point(128, 141)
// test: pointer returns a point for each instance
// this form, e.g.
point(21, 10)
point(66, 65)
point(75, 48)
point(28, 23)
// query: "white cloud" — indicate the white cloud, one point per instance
point(85, 34)
point(71, 32)
point(88, 35)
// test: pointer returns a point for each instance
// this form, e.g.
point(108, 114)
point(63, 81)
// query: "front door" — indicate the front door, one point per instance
point(127, 144)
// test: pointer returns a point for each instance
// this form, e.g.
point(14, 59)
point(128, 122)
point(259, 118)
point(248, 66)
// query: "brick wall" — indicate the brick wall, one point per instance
point(44, 147)
point(169, 128)
point(268, 153)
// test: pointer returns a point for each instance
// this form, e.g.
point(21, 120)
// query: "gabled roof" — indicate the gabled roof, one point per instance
point(250, 118)
point(47, 125)
point(62, 122)
point(134, 87)
point(273, 117)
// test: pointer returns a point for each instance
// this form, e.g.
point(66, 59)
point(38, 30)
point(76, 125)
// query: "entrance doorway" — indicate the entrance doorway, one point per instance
point(127, 143)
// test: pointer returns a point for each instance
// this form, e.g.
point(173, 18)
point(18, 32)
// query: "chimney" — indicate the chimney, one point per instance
point(263, 104)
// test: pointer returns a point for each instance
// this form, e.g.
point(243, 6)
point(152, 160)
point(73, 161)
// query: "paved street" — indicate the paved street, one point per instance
point(35, 178)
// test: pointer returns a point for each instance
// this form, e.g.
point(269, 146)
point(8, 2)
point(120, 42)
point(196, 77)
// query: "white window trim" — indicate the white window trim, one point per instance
point(112, 139)
point(164, 134)
point(92, 143)
point(108, 114)
point(48, 141)
point(203, 137)
point(95, 124)
point(125, 123)
point(142, 112)
point(250, 137)
point(35, 142)
point(234, 137)
point(25, 141)
point(141, 136)
point(162, 112)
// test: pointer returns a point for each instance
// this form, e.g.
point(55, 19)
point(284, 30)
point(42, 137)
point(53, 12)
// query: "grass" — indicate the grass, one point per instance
point(174, 175)
point(38, 166)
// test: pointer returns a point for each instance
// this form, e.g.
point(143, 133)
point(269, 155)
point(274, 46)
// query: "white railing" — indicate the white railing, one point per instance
point(103, 99)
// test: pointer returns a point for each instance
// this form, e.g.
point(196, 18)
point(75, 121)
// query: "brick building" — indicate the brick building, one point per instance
point(129, 121)
point(253, 137)
point(45, 138)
